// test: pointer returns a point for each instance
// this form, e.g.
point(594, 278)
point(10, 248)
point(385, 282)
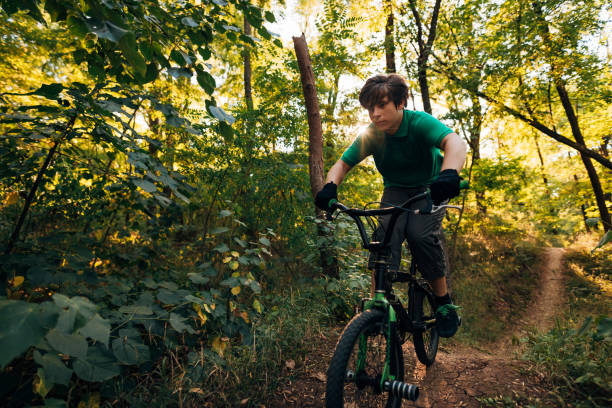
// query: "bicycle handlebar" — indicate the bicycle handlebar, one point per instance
point(395, 212)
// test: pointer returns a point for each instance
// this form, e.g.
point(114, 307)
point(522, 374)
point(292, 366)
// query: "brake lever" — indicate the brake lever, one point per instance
point(428, 205)
point(329, 215)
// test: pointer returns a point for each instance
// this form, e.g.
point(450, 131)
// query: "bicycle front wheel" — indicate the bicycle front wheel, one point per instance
point(425, 340)
point(356, 368)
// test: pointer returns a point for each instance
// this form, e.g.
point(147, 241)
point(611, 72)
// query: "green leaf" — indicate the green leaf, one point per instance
point(177, 57)
point(73, 345)
point(222, 248)
point(23, 325)
point(221, 115)
point(130, 51)
point(224, 213)
point(177, 323)
point(264, 241)
point(56, 371)
point(198, 278)
point(130, 352)
point(169, 297)
point(106, 29)
point(230, 282)
point(97, 329)
point(146, 185)
point(189, 22)
point(49, 91)
point(219, 230)
point(136, 309)
point(205, 80)
point(100, 365)
point(270, 17)
point(604, 240)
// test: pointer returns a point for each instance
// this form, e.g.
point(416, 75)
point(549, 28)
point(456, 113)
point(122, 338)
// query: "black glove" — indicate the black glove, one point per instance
point(445, 187)
point(328, 192)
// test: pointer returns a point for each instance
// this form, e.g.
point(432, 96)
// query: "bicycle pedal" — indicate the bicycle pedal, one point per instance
point(402, 390)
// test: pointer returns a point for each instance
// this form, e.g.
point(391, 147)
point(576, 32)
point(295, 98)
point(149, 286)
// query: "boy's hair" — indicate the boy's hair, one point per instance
point(378, 87)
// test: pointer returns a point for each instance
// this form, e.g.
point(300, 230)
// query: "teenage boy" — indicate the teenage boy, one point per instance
point(406, 148)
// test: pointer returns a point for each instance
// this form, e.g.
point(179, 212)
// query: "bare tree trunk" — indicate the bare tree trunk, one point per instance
point(389, 40)
point(31, 195)
point(573, 121)
point(248, 95)
point(315, 149)
point(425, 47)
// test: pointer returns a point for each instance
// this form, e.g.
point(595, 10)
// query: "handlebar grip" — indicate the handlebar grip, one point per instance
point(464, 185)
point(329, 214)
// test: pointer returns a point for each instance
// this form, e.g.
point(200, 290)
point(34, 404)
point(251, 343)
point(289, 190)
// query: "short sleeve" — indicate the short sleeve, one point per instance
point(352, 155)
point(431, 130)
point(362, 146)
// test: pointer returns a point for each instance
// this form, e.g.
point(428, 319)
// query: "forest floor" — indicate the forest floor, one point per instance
point(462, 376)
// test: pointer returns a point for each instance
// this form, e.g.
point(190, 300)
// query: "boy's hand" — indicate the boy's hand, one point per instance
point(327, 193)
point(445, 187)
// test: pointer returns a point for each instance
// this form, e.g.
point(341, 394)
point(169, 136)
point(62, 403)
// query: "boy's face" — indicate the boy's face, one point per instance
point(386, 116)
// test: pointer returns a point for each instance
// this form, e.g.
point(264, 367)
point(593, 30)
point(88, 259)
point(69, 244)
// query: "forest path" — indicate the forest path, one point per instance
point(461, 374)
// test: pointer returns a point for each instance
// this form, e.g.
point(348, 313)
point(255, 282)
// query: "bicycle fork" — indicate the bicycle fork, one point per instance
point(384, 382)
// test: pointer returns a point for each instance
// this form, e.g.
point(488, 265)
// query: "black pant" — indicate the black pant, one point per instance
point(422, 232)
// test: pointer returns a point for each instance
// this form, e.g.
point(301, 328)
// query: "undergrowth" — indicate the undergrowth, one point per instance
point(494, 272)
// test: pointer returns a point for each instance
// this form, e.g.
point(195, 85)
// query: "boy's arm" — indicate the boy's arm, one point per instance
point(337, 172)
point(455, 152)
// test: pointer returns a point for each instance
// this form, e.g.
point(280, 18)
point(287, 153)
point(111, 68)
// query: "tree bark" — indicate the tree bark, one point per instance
point(425, 49)
point(248, 93)
point(315, 149)
point(389, 39)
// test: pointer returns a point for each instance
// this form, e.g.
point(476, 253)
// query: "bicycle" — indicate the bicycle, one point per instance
point(367, 368)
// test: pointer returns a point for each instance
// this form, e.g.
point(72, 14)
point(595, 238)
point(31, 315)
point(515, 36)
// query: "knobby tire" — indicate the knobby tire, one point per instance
point(373, 324)
point(426, 341)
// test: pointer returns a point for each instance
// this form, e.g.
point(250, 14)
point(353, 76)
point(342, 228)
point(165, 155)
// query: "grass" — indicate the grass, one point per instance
point(492, 280)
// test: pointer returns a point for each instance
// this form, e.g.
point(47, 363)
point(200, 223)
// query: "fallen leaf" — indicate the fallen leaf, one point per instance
point(319, 376)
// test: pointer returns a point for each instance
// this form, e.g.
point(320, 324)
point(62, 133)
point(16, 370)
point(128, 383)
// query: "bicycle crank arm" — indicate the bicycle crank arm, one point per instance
point(403, 390)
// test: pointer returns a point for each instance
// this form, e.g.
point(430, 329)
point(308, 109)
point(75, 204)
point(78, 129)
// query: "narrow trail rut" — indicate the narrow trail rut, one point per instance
point(461, 375)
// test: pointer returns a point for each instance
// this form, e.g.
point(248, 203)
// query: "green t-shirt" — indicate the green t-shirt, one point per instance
point(409, 158)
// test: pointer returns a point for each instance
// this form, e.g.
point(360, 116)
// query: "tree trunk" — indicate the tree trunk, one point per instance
point(389, 40)
point(425, 49)
point(315, 149)
point(32, 194)
point(248, 95)
point(573, 121)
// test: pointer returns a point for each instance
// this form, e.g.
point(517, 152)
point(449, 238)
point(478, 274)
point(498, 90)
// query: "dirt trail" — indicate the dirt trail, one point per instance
point(460, 374)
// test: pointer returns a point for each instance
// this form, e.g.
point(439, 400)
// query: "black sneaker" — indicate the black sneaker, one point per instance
point(447, 320)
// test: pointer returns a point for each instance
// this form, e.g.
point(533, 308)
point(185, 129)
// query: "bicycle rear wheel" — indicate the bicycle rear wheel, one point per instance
point(426, 340)
point(346, 387)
